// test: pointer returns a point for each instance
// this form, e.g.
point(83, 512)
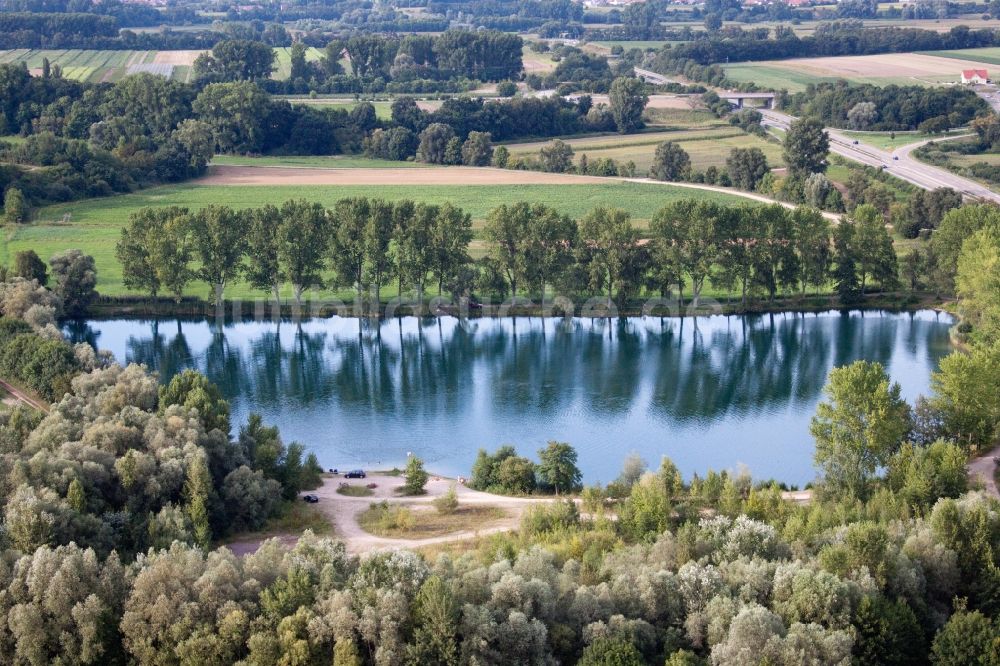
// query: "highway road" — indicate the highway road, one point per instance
point(898, 162)
point(652, 77)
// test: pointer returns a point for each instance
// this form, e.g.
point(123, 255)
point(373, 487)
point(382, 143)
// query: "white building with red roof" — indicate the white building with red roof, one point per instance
point(975, 76)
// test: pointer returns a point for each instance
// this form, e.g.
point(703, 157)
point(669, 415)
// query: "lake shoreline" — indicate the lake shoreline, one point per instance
point(714, 391)
point(133, 307)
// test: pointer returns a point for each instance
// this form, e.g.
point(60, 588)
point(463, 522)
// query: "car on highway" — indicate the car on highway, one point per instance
point(355, 474)
point(311, 499)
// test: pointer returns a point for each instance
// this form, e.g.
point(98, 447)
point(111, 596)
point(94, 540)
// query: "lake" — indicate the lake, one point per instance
point(710, 392)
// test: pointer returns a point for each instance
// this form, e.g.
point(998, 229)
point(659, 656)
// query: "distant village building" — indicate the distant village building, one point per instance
point(971, 76)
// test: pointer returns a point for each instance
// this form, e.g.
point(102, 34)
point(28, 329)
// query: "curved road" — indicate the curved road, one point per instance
point(898, 162)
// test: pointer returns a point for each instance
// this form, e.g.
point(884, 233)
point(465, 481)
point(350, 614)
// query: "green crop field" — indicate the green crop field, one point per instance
point(98, 66)
point(772, 76)
point(94, 225)
point(705, 147)
point(989, 55)
point(81, 65)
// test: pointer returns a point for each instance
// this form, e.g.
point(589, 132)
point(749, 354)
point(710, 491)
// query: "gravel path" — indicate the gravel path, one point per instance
point(983, 468)
point(343, 512)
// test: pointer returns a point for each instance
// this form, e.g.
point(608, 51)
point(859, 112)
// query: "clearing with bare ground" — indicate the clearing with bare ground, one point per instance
point(343, 512)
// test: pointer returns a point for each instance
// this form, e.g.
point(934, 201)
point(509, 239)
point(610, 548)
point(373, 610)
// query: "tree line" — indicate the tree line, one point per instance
point(365, 244)
point(887, 108)
point(126, 14)
point(448, 62)
point(834, 38)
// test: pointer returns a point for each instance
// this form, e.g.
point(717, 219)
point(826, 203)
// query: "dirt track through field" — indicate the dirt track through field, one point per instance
point(244, 175)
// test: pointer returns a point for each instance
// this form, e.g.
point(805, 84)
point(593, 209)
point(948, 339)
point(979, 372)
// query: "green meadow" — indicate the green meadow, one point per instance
point(94, 225)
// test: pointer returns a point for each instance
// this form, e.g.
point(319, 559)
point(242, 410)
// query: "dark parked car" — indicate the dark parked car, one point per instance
point(355, 474)
point(312, 499)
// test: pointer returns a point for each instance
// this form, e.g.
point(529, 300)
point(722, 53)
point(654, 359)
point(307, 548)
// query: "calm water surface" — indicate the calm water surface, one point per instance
point(711, 392)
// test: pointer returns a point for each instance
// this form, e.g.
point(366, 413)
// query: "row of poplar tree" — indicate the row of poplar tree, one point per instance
point(365, 244)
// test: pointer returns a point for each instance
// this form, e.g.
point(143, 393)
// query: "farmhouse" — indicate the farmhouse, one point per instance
point(975, 76)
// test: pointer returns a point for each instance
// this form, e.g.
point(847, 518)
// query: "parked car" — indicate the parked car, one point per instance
point(355, 474)
point(895, 157)
point(855, 142)
point(312, 499)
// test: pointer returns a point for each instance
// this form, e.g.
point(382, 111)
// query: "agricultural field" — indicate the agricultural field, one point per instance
point(807, 28)
point(707, 147)
point(990, 55)
point(316, 162)
point(885, 69)
point(108, 66)
point(94, 225)
point(85, 65)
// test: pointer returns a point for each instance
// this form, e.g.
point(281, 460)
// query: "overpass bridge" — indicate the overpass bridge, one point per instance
point(739, 99)
point(652, 77)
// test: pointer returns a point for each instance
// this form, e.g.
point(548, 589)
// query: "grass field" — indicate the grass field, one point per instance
point(773, 75)
point(705, 147)
point(401, 522)
point(537, 63)
point(383, 109)
point(94, 225)
point(891, 141)
point(989, 55)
